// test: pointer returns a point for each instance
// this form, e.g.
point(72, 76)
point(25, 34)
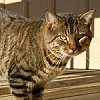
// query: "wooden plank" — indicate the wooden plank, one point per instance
point(96, 6)
point(94, 96)
point(37, 8)
point(15, 6)
point(70, 6)
point(26, 8)
point(72, 84)
point(72, 91)
point(2, 3)
point(80, 84)
point(7, 97)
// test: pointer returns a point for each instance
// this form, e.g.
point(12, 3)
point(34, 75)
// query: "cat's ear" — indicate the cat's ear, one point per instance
point(88, 16)
point(51, 19)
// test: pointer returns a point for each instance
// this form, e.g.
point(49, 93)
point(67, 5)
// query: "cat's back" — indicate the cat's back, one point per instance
point(11, 22)
point(6, 14)
point(17, 34)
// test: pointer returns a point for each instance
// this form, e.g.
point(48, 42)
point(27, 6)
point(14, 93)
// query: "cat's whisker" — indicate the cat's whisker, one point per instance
point(53, 56)
point(48, 55)
point(62, 61)
point(56, 60)
point(58, 63)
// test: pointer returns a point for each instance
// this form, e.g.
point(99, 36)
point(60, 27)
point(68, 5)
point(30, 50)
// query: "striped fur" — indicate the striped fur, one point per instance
point(35, 52)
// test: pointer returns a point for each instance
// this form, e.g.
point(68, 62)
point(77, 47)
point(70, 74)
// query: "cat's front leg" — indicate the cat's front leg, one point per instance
point(20, 92)
point(37, 92)
point(18, 84)
point(18, 89)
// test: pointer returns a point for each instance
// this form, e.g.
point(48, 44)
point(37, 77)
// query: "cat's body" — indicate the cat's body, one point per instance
point(35, 52)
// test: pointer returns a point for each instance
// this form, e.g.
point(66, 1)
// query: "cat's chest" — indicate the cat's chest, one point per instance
point(49, 72)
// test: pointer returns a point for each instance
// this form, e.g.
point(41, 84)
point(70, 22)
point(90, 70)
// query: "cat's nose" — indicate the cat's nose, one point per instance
point(72, 47)
point(71, 51)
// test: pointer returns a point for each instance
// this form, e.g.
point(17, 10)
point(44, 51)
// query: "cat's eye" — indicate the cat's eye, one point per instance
point(82, 40)
point(76, 30)
point(81, 36)
point(63, 37)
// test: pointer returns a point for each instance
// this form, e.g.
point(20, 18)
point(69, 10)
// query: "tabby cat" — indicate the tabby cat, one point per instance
point(35, 52)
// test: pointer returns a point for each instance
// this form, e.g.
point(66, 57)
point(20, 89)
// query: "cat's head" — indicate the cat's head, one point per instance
point(68, 35)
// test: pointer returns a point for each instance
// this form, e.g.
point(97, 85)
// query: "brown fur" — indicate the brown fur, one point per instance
point(35, 52)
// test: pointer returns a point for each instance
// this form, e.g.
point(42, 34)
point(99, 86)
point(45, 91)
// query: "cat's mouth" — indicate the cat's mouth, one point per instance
point(69, 53)
point(76, 52)
point(72, 53)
